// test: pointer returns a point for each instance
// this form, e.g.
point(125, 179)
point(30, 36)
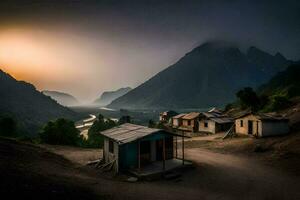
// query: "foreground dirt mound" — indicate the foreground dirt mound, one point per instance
point(30, 172)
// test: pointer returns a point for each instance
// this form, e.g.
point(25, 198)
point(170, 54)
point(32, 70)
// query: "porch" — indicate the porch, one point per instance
point(155, 168)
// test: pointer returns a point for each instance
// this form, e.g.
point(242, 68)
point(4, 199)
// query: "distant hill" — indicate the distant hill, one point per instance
point(29, 107)
point(62, 98)
point(285, 82)
point(107, 97)
point(207, 76)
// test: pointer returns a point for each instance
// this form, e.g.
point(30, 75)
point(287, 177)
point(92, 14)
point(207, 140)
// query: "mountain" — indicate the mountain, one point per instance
point(107, 97)
point(61, 98)
point(207, 76)
point(29, 107)
point(285, 82)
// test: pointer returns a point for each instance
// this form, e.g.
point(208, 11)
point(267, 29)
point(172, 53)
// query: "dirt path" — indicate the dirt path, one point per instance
point(245, 176)
point(216, 176)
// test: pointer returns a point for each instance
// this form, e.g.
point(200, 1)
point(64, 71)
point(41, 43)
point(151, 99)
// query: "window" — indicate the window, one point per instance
point(242, 124)
point(111, 146)
point(189, 122)
point(205, 124)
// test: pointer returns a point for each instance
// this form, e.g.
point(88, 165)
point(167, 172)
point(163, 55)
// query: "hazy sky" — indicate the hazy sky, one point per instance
point(84, 47)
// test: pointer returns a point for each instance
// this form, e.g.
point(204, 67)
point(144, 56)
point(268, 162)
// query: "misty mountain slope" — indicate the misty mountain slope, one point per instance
point(284, 82)
point(62, 98)
point(107, 97)
point(207, 76)
point(29, 107)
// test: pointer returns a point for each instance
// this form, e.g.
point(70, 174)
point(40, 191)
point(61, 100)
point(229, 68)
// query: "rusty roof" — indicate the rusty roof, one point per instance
point(191, 115)
point(127, 132)
point(179, 116)
point(265, 116)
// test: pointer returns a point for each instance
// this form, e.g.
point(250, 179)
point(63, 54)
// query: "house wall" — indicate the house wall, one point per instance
point(129, 152)
point(185, 122)
point(192, 127)
point(244, 130)
point(129, 155)
point(111, 156)
point(270, 128)
point(211, 126)
point(160, 118)
point(176, 122)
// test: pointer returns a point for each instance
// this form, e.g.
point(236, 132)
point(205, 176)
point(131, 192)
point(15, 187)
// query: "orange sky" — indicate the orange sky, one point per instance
point(74, 63)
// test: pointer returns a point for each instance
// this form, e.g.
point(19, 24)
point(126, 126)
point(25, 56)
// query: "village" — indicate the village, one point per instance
point(209, 153)
point(150, 152)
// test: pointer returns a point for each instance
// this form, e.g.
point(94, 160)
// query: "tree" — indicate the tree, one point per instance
point(125, 119)
point(151, 124)
point(95, 139)
point(61, 131)
point(277, 102)
point(8, 127)
point(248, 99)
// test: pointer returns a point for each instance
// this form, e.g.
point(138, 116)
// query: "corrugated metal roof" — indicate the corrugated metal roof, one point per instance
point(222, 120)
point(191, 115)
point(217, 117)
point(179, 116)
point(126, 133)
point(266, 116)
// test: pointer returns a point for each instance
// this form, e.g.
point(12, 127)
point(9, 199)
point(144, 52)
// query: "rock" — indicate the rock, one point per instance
point(132, 179)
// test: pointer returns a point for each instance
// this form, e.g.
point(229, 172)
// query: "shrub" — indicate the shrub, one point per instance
point(277, 102)
point(94, 138)
point(248, 99)
point(61, 131)
point(125, 119)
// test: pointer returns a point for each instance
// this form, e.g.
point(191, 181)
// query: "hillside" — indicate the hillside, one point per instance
point(29, 107)
point(207, 76)
point(285, 82)
point(30, 172)
point(62, 98)
point(108, 96)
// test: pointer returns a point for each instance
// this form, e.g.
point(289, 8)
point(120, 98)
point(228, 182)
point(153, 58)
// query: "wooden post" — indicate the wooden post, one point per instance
point(176, 154)
point(164, 154)
point(139, 155)
point(182, 150)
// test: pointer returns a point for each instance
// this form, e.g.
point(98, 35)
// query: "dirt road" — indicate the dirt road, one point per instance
point(216, 176)
point(237, 177)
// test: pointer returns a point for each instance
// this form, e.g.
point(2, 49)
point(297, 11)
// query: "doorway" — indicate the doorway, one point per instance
point(145, 152)
point(250, 127)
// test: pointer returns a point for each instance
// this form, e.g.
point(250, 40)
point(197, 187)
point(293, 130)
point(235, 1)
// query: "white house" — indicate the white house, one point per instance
point(261, 125)
point(214, 122)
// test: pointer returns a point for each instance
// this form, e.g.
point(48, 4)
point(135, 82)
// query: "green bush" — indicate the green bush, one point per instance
point(277, 102)
point(248, 99)
point(61, 131)
point(94, 138)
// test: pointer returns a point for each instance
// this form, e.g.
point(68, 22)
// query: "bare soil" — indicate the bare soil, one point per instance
point(36, 172)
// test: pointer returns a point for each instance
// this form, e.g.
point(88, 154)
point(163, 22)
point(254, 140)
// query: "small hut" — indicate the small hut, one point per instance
point(141, 150)
point(190, 122)
point(261, 125)
point(214, 122)
point(166, 116)
point(177, 120)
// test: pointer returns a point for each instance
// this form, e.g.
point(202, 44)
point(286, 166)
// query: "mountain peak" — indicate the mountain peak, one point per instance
point(108, 96)
point(214, 46)
point(207, 76)
point(279, 56)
